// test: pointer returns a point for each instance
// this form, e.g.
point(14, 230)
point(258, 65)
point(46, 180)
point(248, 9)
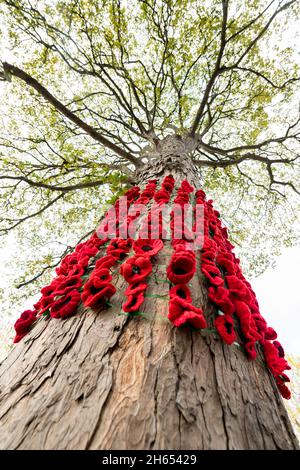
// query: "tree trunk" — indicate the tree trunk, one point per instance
point(101, 380)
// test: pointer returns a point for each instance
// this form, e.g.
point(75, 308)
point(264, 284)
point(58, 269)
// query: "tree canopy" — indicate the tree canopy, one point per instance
point(87, 86)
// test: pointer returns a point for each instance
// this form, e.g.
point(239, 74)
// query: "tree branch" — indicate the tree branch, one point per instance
point(21, 74)
point(216, 71)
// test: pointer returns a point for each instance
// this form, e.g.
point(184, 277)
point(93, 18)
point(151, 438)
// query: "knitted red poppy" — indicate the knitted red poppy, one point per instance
point(96, 292)
point(161, 196)
point(250, 349)
point(238, 288)
point(188, 316)
point(102, 274)
point(105, 262)
point(279, 348)
point(133, 302)
point(212, 273)
point(185, 186)
point(23, 324)
point(225, 327)
point(220, 297)
point(228, 267)
point(182, 267)
point(181, 312)
point(181, 291)
point(148, 247)
point(66, 305)
point(134, 289)
point(270, 333)
point(68, 284)
point(136, 269)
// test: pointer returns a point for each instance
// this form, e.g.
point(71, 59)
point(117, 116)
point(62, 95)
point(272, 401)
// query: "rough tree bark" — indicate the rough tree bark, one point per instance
point(107, 381)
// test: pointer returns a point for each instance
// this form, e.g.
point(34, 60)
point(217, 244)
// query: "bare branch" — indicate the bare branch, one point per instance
point(17, 72)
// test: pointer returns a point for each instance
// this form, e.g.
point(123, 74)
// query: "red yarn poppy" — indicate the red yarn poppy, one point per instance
point(133, 302)
point(247, 323)
point(185, 186)
point(270, 333)
point(48, 290)
point(136, 269)
point(66, 264)
point(225, 327)
point(96, 292)
point(161, 196)
point(102, 274)
point(132, 193)
point(148, 247)
point(142, 200)
point(66, 305)
point(168, 186)
point(200, 194)
point(105, 262)
point(251, 350)
point(209, 245)
point(23, 324)
point(188, 316)
point(276, 364)
point(284, 391)
point(134, 289)
point(181, 312)
point(68, 284)
point(237, 288)
point(182, 267)
point(227, 266)
point(220, 297)
point(45, 303)
point(279, 348)
point(181, 291)
point(212, 273)
point(209, 257)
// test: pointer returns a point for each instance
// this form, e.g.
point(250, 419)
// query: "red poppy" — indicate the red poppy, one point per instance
point(250, 349)
point(247, 323)
point(220, 297)
point(168, 186)
point(136, 269)
point(225, 327)
point(133, 302)
point(148, 247)
point(182, 267)
point(185, 186)
point(161, 196)
point(181, 291)
point(23, 324)
point(279, 348)
point(188, 316)
point(105, 262)
point(133, 289)
point(212, 273)
point(68, 284)
point(228, 267)
point(181, 312)
point(45, 303)
point(270, 333)
point(96, 292)
point(238, 288)
point(102, 273)
point(284, 391)
point(66, 305)
point(132, 193)
point(200, 194)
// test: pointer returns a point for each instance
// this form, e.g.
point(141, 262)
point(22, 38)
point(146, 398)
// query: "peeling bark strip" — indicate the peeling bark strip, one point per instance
point(101, 380)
